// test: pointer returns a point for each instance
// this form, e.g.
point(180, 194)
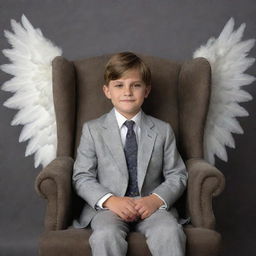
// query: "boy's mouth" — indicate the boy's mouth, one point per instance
point(127, 100)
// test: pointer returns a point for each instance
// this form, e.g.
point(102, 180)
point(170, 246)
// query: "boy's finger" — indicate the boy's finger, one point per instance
point(141, 211)
point(132, 201)
point(132, 210)
point(132, 204)
point(145, 214)
point(137, 207)
point(126, 215)
point(122, 216)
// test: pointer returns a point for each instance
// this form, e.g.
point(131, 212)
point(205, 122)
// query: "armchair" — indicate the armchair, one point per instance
point(181, 97)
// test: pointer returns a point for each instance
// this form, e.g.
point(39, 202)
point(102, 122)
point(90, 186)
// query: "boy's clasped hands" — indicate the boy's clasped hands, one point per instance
point(131, 209)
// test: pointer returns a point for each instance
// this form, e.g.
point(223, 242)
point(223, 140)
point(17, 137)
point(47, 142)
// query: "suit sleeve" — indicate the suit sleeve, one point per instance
point(174, 171)
point(85, 170)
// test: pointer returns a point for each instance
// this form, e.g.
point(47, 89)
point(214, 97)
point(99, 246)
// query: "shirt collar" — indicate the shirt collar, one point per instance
point(121, 119)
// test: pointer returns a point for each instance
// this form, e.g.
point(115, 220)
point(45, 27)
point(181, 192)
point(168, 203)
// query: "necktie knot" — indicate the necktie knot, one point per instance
point(129, 124)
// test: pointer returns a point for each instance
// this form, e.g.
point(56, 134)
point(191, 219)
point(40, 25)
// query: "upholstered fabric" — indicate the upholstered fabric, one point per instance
point(64, 95)
point(180, 95)
point(194, 96)
point(205, 182)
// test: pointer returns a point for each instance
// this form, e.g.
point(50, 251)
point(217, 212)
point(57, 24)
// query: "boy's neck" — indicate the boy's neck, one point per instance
point(128, 116)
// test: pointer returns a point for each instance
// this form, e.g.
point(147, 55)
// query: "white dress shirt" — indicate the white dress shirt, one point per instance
point(123, 130)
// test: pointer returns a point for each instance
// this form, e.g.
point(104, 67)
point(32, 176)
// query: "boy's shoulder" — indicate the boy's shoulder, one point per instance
point(93, 123)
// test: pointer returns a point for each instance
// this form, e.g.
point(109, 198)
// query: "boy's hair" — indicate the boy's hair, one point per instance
point(119, 63)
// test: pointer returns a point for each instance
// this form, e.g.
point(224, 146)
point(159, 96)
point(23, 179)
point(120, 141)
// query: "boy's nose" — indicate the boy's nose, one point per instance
point(127, 91)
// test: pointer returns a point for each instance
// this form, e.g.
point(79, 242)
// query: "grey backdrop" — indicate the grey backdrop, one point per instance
point(168, 29)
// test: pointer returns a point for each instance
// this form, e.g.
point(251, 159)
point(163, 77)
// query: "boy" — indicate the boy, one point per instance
point(128, 169)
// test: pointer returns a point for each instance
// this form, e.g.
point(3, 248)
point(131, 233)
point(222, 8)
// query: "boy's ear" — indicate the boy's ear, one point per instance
point(148, 89)
point(106, 91)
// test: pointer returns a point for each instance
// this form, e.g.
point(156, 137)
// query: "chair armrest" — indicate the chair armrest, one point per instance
point(54, 184)
point(204, 182)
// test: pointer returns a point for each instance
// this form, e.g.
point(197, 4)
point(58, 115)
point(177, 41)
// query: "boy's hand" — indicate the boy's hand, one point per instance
point(124, 207)
point(147, 205)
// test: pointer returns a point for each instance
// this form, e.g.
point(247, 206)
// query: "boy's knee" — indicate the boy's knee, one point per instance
point(173, 230)
point(108, 233)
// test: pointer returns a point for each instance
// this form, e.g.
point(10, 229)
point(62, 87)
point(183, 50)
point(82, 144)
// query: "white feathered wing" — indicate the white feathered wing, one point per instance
point(31, 67)
point(227, 56)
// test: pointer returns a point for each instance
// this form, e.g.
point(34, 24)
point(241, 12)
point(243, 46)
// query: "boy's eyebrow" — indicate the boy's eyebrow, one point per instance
point(119, 81)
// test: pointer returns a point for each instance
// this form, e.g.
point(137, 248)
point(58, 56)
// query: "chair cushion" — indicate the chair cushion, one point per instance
point(75, 242)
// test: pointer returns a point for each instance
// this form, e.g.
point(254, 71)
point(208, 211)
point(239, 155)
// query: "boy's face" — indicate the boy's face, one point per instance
point(127, 93)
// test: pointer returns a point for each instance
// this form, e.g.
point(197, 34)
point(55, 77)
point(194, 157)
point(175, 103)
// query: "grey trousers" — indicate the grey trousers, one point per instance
point(164, 235)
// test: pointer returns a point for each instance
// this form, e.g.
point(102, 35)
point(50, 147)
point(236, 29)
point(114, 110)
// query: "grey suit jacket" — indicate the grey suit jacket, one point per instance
point(100, 166)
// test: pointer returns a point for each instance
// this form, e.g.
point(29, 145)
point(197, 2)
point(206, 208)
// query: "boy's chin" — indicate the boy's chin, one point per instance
point(131, 111)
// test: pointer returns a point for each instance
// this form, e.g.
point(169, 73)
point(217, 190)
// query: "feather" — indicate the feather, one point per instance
point(30, 65)
point(21, 100)
point(227, 56)
point(15, 84)
point(45, 154)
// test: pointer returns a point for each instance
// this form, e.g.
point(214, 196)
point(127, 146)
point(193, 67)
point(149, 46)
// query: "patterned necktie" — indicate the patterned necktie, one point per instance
point(131, 150)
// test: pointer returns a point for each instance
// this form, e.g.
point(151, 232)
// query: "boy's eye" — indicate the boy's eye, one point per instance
point(121, 85)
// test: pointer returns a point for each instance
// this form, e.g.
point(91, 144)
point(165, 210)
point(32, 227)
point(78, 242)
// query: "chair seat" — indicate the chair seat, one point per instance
point(75, 242)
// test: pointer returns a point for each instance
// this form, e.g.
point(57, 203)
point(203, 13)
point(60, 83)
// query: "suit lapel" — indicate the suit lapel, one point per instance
point(112, 138)
point(146, 145)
